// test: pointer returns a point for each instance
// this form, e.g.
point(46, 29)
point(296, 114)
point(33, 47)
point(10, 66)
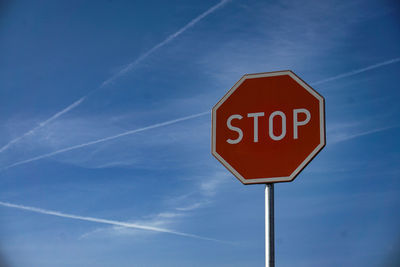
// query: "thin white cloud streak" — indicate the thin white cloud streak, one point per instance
point(207, 189)
point(352, 136)
point(340, 76)
point(106, 139)
point(104, 221)
point(159, 221)
point(193, 206)
point(122, 72)
point(354, 72)
point(171, 37)
point(44, 123)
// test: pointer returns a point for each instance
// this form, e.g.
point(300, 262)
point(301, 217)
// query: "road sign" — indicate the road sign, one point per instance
point(268, 127)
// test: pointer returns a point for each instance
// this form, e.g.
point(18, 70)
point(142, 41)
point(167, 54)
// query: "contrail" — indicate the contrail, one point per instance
point(354, 72)
point(365, 133)
point(104, 221)
point(131, 65)
point(52, 118)
point(106, 139)
point(126, 69)
point(340, 76)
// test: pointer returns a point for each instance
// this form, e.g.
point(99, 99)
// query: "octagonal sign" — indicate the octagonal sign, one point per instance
point(268, 127)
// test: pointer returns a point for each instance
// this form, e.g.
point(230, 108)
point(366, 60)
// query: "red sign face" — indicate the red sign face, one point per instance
point(268, 127)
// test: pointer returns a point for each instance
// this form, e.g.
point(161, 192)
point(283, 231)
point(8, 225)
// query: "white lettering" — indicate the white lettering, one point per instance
point(255, 122)
point(233, 128)
point(297, 123)
point(271, 125)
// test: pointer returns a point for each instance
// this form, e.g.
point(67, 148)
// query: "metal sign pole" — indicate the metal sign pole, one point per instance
point(269, 226)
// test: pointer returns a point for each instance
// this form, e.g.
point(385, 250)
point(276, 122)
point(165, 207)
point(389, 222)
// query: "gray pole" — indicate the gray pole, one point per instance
point(269, 226)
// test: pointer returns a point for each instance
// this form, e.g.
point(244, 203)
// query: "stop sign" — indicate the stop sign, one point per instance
point(268, 127)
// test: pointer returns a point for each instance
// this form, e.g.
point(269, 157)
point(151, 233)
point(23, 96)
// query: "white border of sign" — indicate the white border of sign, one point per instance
point(304, 163)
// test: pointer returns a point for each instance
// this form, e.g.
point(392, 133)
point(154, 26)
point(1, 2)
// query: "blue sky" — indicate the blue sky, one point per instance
point(105, 133)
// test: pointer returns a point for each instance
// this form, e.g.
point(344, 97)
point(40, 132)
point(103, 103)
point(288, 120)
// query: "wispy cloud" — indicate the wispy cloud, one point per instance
point(122, 72)
point(354, 72)
point(104, 221)
point(157, 125)
point(171, 37)
point(298, 39)
point(192, 206)
point(181, 206)
point(210, 186)
point(44, 123)
point(207, 186)
point(160, 220)
point(343, 136)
